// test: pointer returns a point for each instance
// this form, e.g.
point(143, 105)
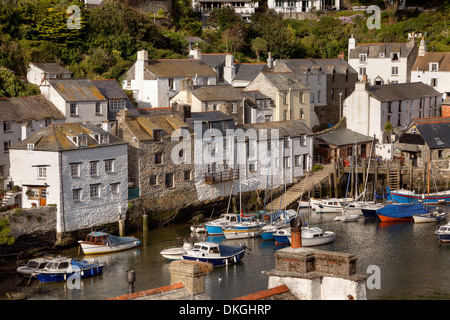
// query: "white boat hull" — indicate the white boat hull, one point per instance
point(102, 248)
point(328, 237)
point(175, 253)
point(241, 233)
point(347, 217)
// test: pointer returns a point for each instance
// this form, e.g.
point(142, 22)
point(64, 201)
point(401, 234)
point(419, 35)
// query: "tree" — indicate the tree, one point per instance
point(10, 86)
point(388, 129)
point(259, 45)
point(391, 8)
point(5, 236)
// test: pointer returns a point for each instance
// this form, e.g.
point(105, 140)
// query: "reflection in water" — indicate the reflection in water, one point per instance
point(413, 263)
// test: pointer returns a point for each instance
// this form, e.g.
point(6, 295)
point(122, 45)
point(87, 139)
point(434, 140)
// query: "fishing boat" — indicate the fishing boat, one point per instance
point(444, 233)
point(62, 268)
point(214, 253)
point(174, 252)
point(101, 242)
point(216, 226)
point(428, 217)
point(408, 196)
point(32, 266)
point(311, 236)
point(400, 211)
point(370, 211)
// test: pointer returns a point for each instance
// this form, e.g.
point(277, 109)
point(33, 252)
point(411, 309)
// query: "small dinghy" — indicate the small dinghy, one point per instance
point(216, 254)
point(175, 253)
point(429, 217)
point(61, 268)
point(101, 242)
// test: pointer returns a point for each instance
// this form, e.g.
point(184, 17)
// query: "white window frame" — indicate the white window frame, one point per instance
point(42, 173)
point(94, 191)
point(76, 195)
point(93, 168)
point(109, 165)
point(74, 170)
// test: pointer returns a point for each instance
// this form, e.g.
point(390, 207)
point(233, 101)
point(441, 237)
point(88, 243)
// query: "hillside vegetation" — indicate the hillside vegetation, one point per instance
point(109, 36)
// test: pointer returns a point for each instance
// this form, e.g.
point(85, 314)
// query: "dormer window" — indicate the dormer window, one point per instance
point(395, 56)
point(363, 57)
point(30, 146)
point(101, 138)
point(157, 135)
point(80, 140)
point(434, 66)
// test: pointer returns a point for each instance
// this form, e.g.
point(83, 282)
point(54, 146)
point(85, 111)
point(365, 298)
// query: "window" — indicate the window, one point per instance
point(187, 175)
point(363, 57)
point(440, 154)
point(32, 193)
point(153, 180)
point(2, 171)
point(74, 170)
point(98, 108)
point(434, 82)
point(114, 187)
point(48, 121)
point(267, 118)
point(93, 168)
point(434, 66)
point(158, 158)
point(362, 71)
point(115, 105)
point(301, 97)
point(284, 97)
point(284, 114)
point(394, 56)
point(109, 165)
point(6, 145)
point(30, 146)
point(73, 110)
point(303, 140)
point(76, 194)
point(302, 114)
point(285, 162)
point(42, 172)
point(298, 160)
point(286, 142)
point(394, 71)
point(6, 126)
point(94, 191)
point(171, 84)
point(157, 135)
point(234, 107)
point(169, 180)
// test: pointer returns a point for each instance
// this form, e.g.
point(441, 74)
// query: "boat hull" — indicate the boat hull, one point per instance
point(217, 262)
point(241, 233)
point(406, 196)
point(327, 237)
point(103, 249)
point(214, 230)
point(444, 237)
point(425, 218)
point(173, 253)
point(400, 212)
point(59, 277)
point(268, 235)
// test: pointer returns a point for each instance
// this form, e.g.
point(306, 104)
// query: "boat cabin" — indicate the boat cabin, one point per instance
point(98, 238)
point(210, 248)
point(58, 264)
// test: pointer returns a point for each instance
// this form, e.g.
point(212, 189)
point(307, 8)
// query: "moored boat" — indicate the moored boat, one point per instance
point(242, 230)
point(370, 211)
point(175, 253)
point(311, 236)
point(408, 196)
point(429, 217)
point(33, 266)
point(400, 211)
point(216, 226)
point(198, 228)
point(332, 205)
point(101, 242)
point(62, 268)
point(443, 233)
point(214, 253)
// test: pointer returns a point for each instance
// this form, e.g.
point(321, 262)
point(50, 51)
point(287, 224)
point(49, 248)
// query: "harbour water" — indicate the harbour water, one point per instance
point(413, 264)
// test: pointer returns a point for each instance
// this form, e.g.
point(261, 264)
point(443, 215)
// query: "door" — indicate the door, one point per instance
point(42, 196)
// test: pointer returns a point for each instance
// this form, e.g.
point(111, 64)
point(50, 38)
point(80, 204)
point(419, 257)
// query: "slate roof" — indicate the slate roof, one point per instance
point(316, 66)
point(423, 62)
point(173, 68)
point(217, 93)
point(284, 80)
point(52, 68)
point(77, 89)
point(28, 108)
point(343, 137)
point(373, 49)
point(435, 132)
point(402, 91)
point(247, 71)
point(254, 95)
point(56, 137)
point(143, 126)
point(214, 60)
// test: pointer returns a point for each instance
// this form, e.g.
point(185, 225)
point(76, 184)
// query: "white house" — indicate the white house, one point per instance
point(20, 118)
point(40, 73)
point(80, 168)
point(383, 63)
point(369, 108)
point(432, 68)
point(244, 8)
point(79, 100)
point(286, 6)
point(154, 82)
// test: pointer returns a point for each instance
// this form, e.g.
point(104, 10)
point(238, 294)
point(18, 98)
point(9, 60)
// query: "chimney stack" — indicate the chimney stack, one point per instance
point(197, 53)
point(296, 233)
point(270, 61)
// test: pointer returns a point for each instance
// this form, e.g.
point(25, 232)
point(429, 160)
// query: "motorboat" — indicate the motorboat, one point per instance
point(175, 253)
point(62, 268)
point(215, 253)
point(101, 242)
point(198, 228)
point(434, 216)
point(242, 230)
point(32, 266)
point(216, 226)
point(443, 233)
point(311, 236)
point(331, 205)
point(400, 211)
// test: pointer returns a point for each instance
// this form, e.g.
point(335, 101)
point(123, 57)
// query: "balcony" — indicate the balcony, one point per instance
point(221, 176)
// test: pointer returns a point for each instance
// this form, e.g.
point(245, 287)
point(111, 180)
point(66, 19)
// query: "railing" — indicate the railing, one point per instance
point(222, 176)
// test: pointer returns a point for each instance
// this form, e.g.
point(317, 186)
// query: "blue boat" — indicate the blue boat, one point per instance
point(407, 196)
point(282, 235)
point(400, 211)
point(62, 268)
point(214, 253)
point(216, 226)
point(280, 220)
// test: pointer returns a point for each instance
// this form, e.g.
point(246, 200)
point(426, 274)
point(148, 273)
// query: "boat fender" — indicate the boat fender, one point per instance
point(64, 277)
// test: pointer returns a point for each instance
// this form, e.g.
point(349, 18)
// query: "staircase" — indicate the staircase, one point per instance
point(310, 183)
point(8, 198)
